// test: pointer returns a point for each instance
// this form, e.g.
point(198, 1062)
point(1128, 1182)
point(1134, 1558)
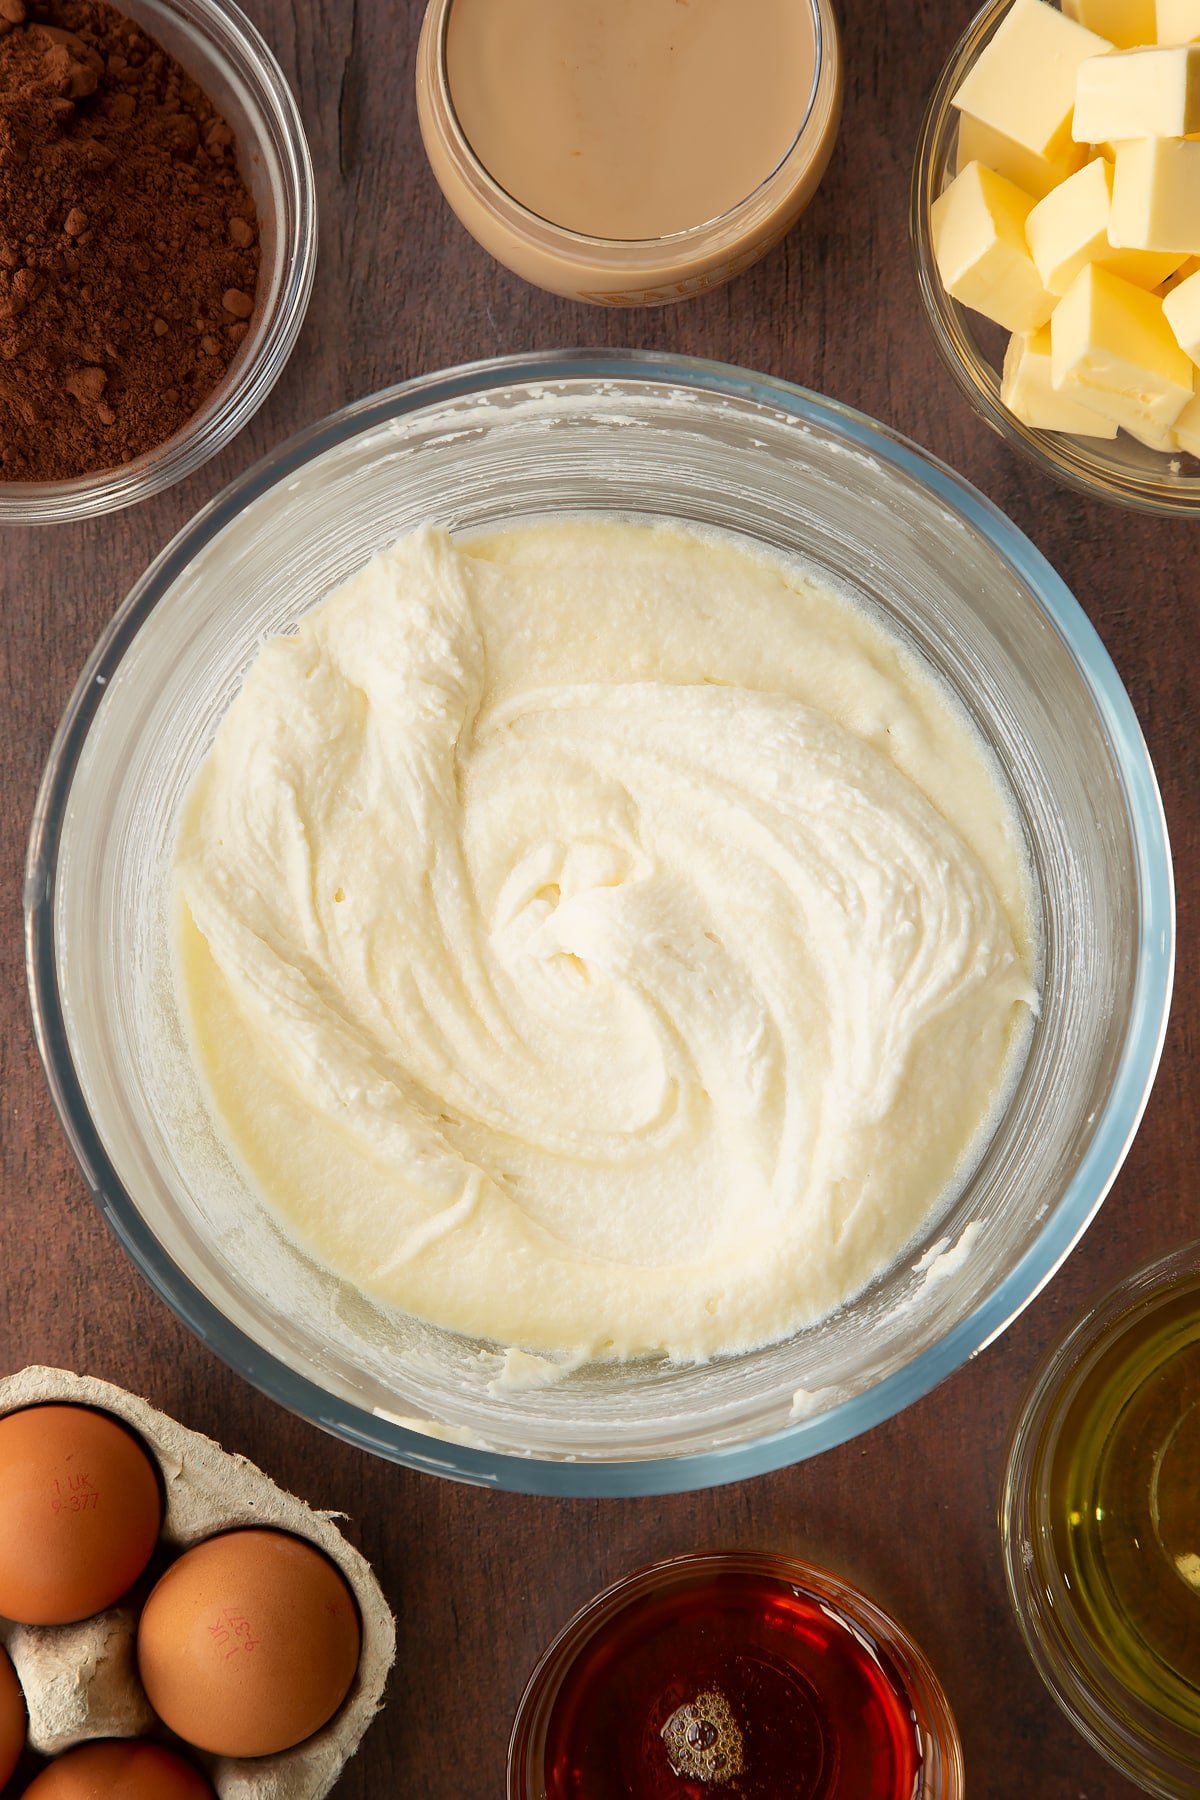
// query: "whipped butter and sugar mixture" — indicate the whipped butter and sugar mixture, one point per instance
point(601, 938)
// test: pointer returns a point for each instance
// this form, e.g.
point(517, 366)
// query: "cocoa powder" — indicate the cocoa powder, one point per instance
point(128, 241)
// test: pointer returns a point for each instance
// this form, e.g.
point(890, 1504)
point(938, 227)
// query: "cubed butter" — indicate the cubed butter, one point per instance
point(979, 245)
point(1156, 196)
point(978, 142)
point(1182, 310)
point(1070, 228)
point(1187, 428)
point(1177, 21)
point(1112, 350)
point(1023, 81)
point(1186, 269)
point(1028, 391)
point(1152, 437)
point(1138, 94)
point(1123, 22)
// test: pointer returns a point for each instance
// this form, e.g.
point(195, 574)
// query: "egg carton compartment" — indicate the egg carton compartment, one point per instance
point(80, 1681)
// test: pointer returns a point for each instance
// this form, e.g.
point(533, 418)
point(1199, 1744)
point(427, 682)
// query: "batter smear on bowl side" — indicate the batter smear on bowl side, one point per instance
point(603, 938)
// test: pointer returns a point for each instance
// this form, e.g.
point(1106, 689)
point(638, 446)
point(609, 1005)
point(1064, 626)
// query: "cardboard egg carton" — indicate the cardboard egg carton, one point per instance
point(80, 1681)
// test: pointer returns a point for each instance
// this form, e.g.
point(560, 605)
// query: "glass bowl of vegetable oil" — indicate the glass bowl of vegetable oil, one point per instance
point(1100, 1520)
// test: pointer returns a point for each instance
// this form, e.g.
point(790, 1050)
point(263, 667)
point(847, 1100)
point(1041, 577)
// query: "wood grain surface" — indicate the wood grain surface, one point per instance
point(480, 1581)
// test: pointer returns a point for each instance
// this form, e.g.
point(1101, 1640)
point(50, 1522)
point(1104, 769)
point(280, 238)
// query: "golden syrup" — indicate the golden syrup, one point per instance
point(1125, 1504)
point(732, 1684)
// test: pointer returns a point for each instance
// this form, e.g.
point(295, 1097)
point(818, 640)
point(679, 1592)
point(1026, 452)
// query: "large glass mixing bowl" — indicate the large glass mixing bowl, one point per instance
point(645, 436)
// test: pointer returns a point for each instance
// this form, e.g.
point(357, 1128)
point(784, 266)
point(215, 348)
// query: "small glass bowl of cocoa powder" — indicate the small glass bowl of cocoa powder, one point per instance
point(158, 241)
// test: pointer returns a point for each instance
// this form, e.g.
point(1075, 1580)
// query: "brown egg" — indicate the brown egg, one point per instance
point(249, 1643)
point(124, 1770)
point(80, 1512)
point(12, 1719)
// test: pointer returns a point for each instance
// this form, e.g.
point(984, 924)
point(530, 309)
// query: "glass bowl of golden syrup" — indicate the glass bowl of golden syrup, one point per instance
point(734, 1677)
point(1100, 1518)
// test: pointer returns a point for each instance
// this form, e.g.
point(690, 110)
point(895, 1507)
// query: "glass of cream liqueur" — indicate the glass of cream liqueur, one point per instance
point(628, 152)
point(713, 1676)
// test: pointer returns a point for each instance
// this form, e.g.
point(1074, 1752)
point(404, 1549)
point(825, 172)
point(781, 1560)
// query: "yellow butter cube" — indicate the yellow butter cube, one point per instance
point(1187, 428)
point(1156, 195)
point(1023, 82)
point(978, 142)
point(1070, 228)
point(1152, 437)
point(1125, 23)
point(1112, 350)
point(1028, 391)
point(1182, 310)
point(1177, 21)
point(1138, 94)
point(979, 245)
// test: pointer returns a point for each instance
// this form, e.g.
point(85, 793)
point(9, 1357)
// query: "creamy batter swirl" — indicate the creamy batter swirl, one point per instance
point(602, 939)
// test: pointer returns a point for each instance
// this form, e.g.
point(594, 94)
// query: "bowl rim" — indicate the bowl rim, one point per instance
point(236, 42)
point(1058, 1232)
point(1087, 1689)
point(932, 1714)
point(1066, 459)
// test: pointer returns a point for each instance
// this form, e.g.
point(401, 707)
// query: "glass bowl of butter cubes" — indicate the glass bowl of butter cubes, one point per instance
point(1056, 229)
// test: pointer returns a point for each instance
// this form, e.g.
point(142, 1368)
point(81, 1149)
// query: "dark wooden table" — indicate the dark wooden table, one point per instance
point(480, 1581)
